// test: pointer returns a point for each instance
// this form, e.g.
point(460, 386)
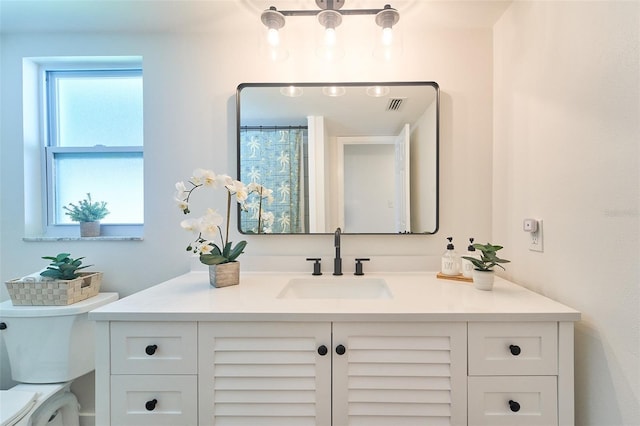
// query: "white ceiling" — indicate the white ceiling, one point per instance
point(30, 16)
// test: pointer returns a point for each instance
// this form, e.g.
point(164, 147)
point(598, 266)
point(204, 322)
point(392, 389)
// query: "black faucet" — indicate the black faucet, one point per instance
point(337, 261)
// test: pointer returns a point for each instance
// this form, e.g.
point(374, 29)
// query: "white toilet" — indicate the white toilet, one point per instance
point(48, 347)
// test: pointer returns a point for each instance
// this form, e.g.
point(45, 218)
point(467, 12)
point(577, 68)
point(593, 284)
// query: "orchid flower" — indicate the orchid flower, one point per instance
point(209, 226)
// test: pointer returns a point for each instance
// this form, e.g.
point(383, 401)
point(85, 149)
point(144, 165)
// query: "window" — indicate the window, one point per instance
point(94, 144)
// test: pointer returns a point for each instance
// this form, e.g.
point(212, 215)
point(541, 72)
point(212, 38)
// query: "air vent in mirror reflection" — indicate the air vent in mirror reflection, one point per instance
point(395, 104)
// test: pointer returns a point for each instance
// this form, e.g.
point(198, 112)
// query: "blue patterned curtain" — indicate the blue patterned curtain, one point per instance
point(272, 157)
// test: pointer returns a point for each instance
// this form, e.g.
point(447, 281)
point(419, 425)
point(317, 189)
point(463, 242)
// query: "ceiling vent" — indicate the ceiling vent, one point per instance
point(395, 104)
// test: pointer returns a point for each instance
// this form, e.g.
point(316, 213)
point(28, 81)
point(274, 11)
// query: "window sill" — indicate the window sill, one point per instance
point(102, 238)
point(108, 232)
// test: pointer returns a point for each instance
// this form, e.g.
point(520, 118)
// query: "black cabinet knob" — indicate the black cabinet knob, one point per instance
point(151, 349)
point(151, 405)
point(322, 350)
point(514, 406)
point(515, 350)
point(340, 350)
point(3, 325)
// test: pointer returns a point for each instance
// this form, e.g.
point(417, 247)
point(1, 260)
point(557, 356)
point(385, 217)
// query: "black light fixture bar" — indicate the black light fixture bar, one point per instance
point(340, 11)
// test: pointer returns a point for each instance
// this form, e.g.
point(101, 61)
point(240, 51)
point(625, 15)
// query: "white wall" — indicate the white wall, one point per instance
point(189, 86)
point(190, 80)
point(565, 90)
point(566, 149)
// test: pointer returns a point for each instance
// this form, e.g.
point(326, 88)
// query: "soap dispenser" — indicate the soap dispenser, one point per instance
point(450, 260)
point(466, 265)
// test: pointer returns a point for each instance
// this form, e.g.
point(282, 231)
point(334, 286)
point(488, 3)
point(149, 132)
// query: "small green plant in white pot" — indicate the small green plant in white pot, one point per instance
point(483, 274)
point(89, 214)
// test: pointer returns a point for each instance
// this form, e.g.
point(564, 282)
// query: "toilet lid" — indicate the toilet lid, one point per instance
point(14, 404)
point(9, 310)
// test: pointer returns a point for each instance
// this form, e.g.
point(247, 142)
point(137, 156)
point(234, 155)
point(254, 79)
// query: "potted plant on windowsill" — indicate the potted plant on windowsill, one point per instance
point(483, 274)
point(89, 214)
point(224, 269)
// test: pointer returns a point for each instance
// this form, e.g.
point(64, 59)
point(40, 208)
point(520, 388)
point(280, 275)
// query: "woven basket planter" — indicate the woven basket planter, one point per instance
point(55, 292)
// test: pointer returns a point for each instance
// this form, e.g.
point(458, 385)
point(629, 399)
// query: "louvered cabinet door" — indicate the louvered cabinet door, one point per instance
point(399, 374)
point(264, 373)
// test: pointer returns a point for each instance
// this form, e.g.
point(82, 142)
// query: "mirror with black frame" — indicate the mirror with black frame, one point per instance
point(362, 157)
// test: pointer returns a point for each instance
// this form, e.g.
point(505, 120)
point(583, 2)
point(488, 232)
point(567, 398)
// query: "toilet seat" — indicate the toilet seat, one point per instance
point(46, 401)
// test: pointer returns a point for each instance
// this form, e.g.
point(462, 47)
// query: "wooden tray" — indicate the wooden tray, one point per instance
point(458, 277)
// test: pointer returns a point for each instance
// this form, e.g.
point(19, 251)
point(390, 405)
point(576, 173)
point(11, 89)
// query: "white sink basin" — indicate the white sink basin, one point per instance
point(336, 288)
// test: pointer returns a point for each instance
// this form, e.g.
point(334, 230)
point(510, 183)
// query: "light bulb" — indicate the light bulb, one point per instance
point(273, 37)
point(387, 36)
point(330, 37)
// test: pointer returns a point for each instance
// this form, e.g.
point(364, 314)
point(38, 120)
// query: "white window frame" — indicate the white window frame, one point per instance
point(49, 146)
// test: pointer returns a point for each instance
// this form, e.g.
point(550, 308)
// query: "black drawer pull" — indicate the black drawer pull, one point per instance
point(515, 350)
point(322, 350)
point(151, 405)
point(340, 350)
point(151, 349)
point(3, 325)
point(514, 406)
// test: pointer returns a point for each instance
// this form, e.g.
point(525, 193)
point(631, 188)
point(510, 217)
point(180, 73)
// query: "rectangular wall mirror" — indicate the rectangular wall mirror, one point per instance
point(359, 156)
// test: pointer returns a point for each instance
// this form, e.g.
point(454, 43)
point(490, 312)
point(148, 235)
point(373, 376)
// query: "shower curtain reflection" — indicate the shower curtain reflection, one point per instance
point(260, 149)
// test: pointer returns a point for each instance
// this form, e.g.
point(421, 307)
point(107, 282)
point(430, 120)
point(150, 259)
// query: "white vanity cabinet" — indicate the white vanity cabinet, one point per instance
point(287, 373)
point(259, 373)
point(153, 376)
point(300, 373)
point(514, 375)
point(436, 353)
point(405, 373)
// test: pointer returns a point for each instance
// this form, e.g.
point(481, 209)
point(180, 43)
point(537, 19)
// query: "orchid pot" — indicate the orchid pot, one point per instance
point(224, 274)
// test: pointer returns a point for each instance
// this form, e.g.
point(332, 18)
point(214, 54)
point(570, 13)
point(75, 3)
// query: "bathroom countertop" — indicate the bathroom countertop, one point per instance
point(416, 296)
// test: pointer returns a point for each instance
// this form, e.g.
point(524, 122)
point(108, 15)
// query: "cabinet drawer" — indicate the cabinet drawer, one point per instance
point(513, 401)
point(154, 400)
point(521, 348)
point(154, 348)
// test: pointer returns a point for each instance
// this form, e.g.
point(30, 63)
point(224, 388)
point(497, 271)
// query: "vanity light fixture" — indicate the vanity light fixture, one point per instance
point(330, 17)
point(386, 19)
point(274, 21)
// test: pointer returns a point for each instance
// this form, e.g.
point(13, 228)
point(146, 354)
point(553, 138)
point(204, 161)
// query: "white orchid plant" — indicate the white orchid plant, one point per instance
point(209, 227)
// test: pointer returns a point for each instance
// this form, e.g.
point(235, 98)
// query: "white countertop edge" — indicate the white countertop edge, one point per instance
point(417, 296)
point(341, 317)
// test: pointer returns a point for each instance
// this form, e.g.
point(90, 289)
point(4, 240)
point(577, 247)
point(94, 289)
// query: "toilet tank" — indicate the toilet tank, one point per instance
point(50, 344)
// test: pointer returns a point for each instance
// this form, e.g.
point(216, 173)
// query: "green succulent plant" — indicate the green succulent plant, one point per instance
point(86, 210)
point(488, 259)
point(63, 267)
